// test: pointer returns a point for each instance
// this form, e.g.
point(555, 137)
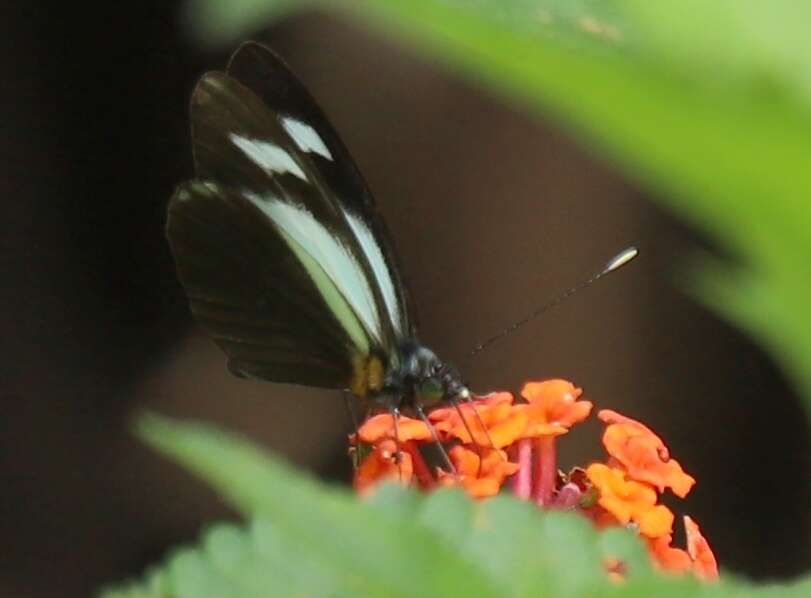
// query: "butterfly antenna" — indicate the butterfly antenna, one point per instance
point(615, 263)
point(445, 458)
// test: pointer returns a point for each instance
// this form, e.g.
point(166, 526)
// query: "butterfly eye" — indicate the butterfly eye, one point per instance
point(430, 391)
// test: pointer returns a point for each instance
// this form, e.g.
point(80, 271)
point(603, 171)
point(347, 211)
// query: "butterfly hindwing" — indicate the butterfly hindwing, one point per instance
point(248, 290)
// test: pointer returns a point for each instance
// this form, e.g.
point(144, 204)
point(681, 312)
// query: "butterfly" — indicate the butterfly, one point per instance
point(282, 253)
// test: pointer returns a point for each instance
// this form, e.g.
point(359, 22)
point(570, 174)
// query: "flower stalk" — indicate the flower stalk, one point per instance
point(545, 470)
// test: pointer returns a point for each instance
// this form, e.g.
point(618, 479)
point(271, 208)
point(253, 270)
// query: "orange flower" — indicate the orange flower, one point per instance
point(697, 559)
point(552, 407)
point(624, 490)
point(381, 426)
point(704, 564)
point(629, 500)
point(643, 454)
point(501, 421)
point(381, 464)
point(480, 476)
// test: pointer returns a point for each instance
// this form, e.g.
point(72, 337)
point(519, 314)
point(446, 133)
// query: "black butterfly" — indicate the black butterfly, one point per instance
point(283, 256)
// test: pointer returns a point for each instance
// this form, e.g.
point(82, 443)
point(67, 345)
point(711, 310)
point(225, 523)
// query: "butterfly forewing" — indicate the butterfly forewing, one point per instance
point(263, 72)
point(277, 242)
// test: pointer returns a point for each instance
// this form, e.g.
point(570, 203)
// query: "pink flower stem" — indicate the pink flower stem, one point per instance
point(545, 470)
point(521, 482)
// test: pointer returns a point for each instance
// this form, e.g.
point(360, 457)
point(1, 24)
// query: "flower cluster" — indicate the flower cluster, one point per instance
point(494, 441)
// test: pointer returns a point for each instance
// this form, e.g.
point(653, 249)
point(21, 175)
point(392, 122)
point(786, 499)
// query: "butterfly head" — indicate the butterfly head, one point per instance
point(423, 379)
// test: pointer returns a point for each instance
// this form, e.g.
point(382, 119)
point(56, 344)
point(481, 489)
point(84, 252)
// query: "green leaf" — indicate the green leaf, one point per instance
point(706, 103)
point(345, 543)
point(620, 544)
point(305, 539)
point(222, 22)
point(725, 141)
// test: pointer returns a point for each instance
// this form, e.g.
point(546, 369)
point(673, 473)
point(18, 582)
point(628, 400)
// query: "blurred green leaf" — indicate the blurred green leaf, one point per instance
point(350, 545)
point(221, 22)
point(706, 103)
point(305, 539)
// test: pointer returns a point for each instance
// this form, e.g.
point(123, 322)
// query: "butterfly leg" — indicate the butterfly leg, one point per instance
point(472, 404)
point(455, 402)
point(476, 445)
point(395, 414)
point(445, 458)
point(355, 426)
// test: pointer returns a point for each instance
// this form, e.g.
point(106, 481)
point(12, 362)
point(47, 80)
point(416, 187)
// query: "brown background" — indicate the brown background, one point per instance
point(492, 212)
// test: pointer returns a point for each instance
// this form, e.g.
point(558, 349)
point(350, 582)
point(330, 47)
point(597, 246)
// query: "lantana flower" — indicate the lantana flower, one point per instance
point(481, 473)
point(697, 558)
point(492, 420)
point(643, 454)
point(494, 443)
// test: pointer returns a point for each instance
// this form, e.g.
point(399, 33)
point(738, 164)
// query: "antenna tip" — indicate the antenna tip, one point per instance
point(622, 258)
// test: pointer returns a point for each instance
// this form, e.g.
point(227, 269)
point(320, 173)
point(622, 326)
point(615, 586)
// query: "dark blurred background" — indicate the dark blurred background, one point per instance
point(492, 212)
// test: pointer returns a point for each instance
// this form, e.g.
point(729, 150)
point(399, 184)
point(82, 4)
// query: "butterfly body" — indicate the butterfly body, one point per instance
point(281, 251)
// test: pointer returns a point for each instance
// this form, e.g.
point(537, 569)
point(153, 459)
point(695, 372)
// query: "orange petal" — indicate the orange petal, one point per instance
point(574, 413)
point(494, 398)
point(698, 558)
point(537, 425)
point(481, 404)
point(455, 428)
point(509, 429)
point(465, 461)
point(609, 416)
point(380, 465)
point(704, 564)
point(643, 454)
point(494, 412)
point(480, 476)
point(655, 522)
point(551, 391)
point(554, 403)
point(481, 487)
point(482, 462)
point(667, 558)
point(475, 488)
point(629, 500)
point(381, 426)
point(495, 465)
